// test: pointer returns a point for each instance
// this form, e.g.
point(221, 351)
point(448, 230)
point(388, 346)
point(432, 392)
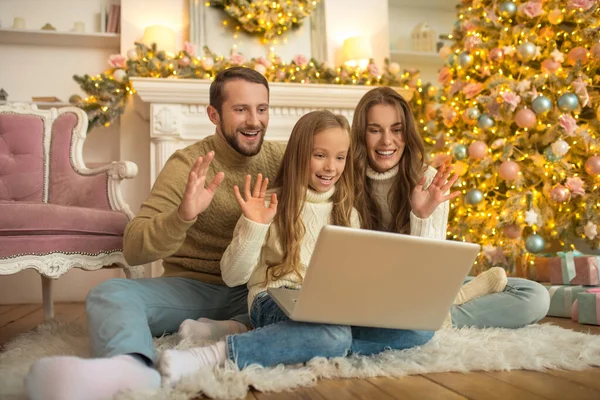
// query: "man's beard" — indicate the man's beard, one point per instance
point(234, 141)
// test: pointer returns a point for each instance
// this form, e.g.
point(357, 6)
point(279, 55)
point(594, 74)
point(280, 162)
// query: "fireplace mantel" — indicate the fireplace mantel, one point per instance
point(178, 110)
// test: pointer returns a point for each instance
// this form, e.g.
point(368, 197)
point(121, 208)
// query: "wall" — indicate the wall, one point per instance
point(367, 18)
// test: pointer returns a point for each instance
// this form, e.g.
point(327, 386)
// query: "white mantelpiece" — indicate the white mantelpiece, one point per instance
point(178, 110)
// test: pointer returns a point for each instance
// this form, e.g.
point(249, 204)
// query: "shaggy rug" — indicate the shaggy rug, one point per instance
point(536, 347)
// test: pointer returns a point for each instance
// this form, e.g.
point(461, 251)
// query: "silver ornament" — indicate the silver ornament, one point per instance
point(465, 59)
point(541, 105)
point(549, 155)
point(535, 243)
point(473, 197)
point(473, 113)
point(568, 102)
point(508, 9)
point(459, 151)
point(485, 122)
point(527, 51)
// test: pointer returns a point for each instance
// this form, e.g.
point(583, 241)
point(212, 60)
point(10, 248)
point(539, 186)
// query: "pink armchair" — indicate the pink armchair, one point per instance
point(55, 213)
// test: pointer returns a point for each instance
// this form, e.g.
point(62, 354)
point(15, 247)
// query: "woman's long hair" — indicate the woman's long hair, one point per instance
point(293, 181)
point(411, 166)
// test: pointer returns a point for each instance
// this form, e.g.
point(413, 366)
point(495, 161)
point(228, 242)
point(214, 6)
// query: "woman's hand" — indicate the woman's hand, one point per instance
point(425, 201)
point(253, 204)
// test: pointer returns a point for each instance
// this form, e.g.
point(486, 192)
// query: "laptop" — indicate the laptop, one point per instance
point(368, 278)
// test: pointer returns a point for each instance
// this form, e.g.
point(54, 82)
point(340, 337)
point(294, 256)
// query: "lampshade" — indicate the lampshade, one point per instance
point(163, 36)
point(357, 51)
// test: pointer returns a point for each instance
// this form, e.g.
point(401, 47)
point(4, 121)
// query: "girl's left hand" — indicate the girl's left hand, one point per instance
point(425, 201)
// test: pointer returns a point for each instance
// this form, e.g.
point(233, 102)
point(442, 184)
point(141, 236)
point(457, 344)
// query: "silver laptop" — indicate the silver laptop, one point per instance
point(377, 279)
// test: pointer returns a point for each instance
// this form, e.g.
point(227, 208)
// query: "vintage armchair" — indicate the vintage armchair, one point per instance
point(56, 213)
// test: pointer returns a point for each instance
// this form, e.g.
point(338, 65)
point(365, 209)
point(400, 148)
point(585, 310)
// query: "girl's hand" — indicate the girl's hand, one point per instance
point(253, 204)
point(425, 201)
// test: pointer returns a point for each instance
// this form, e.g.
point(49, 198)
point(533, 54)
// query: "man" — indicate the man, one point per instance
point(188, 224)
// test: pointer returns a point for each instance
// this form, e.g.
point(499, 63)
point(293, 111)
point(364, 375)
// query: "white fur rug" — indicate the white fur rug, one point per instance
point(536, 347)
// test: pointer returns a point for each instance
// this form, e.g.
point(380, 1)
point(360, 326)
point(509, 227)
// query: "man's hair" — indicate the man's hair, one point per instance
point(217, 88)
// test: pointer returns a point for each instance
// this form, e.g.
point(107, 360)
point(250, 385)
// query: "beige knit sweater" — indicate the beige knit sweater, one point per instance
point(433, 227)
point(245, 260)
point(193, 249)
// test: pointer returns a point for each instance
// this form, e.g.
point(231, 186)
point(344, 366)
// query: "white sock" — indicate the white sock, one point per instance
point(175, 364)
point(491, 281)
point(74, 378)
point(208, 329)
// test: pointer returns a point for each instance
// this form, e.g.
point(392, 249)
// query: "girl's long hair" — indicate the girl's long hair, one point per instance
point(293, 181)
point(411, 165)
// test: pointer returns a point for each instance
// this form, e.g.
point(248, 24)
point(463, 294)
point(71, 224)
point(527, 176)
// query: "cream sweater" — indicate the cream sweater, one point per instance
point(433, 227)
point(245, 260)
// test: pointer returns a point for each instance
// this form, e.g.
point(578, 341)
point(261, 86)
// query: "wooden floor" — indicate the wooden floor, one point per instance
point(559, 385)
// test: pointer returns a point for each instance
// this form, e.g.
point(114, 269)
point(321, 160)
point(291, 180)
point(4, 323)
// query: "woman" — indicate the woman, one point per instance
point(396, 192)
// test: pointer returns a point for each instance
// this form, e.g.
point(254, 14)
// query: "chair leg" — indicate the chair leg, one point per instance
point(47, 298)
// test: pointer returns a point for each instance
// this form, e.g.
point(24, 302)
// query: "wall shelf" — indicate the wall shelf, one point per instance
point(62, 39)
point(409, 58)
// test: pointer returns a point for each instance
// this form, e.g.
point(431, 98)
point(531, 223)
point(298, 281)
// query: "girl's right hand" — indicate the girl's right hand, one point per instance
point(253, 204)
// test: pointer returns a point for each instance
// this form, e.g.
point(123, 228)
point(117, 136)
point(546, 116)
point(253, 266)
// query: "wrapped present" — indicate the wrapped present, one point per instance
point(586, 308)
point(562, 298)
point(574, 268)
point(538, 269)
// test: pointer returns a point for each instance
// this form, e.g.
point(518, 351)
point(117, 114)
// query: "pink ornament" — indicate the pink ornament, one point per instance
point(577, 53)
point(477, 150)
point(513, 231)
point(560, 194)
point(508, 170)
point(592, 166)
point(184, 61)
point(525, 118)
point(550, 66)
point(496, 54)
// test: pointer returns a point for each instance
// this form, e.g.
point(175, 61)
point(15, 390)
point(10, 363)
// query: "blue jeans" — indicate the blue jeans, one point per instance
point(522, 302)
point(124, 314)
point(278, 340)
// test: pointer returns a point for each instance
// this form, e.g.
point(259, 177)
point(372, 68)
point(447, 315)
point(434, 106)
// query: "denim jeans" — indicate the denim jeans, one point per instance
point(522, 302)
point(278, 340)
point(124, 314)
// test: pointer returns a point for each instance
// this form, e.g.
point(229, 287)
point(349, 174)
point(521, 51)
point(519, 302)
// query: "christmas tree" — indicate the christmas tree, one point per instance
point(517, 112)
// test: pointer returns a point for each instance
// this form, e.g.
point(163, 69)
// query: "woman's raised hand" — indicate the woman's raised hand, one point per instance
point(253, 203)
point(425, 201)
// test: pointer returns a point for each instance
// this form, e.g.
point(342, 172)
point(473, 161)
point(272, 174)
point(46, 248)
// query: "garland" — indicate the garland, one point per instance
point(267, 18)
point(107, 93)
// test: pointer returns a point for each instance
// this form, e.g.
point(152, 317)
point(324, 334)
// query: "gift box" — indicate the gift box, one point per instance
point(586, 308)
point(538, 271)
point(562, 298)
point(574, 268)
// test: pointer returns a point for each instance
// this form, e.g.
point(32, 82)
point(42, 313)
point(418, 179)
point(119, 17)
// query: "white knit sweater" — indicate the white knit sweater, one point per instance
point(433, 227)
point(245, 260)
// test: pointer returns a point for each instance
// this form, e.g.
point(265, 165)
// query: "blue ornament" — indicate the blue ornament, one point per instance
point(508, 9)
point(485, 122)
point(535, 243)
point(568, 102)
point(473, 197)
point(550, 156)
point(465, 59)
point(541, 105)
point(459, 151)
point(527, 51)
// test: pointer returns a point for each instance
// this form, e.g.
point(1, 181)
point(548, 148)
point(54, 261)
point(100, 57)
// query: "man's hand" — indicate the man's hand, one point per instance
point(253, 205)
point(196, 197)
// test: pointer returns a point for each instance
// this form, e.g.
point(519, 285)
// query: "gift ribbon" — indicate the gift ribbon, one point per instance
point(569, 260)
point(567, 295)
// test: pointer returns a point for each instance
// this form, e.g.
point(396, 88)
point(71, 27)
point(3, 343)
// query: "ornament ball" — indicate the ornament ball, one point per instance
point(592, 166)
point(508, 170)
point(535, 243)
point(477, 150)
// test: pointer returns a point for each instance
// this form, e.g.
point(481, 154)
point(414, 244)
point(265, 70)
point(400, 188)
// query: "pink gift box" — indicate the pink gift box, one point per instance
point(586, 271)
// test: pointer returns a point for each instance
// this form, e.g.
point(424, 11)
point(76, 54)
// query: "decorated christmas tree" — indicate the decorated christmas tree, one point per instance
point(517, 112)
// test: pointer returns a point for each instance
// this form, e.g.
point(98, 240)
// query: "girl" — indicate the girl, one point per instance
point(396, 192)
point(315, 189)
